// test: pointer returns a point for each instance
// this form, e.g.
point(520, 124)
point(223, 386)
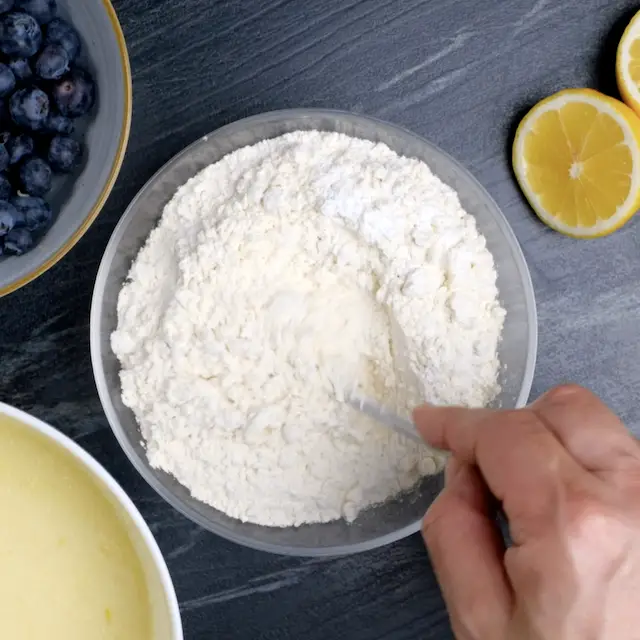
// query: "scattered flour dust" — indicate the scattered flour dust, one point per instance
point(265, 291)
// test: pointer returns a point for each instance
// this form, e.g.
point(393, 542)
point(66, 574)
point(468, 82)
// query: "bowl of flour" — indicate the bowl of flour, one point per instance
point(252, 281)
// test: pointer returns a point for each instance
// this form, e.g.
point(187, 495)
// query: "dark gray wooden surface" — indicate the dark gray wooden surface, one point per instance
point(459, 72)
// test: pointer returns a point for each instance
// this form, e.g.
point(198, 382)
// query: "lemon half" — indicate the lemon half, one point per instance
point(576, 156)
point(628, 64)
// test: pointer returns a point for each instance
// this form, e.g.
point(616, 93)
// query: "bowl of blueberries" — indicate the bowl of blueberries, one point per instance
point(65, 116)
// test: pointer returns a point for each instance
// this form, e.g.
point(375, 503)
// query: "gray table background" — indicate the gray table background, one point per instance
point(459, 72)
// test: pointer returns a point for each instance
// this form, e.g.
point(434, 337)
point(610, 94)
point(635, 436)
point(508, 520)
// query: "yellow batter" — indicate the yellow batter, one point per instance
point(68, 570)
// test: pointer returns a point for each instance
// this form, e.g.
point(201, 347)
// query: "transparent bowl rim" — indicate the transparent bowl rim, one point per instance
point(143, 467)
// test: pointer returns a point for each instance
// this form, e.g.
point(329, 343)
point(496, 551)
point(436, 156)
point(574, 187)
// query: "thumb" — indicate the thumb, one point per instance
point(467, 553)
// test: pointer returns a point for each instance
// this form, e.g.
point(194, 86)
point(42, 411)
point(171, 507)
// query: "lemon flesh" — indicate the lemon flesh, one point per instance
point(576, 156)
point(628, 64)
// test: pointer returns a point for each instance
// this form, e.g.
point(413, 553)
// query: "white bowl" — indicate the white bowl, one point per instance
point(162, 596)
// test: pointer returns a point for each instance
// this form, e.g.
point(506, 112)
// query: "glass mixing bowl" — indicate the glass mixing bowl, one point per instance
point(378, 525)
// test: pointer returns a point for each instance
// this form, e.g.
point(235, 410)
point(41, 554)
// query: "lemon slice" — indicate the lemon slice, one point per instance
point(576, 156)
point(628, 64)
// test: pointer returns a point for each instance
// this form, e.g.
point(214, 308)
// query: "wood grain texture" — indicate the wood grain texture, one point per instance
point(459, 72)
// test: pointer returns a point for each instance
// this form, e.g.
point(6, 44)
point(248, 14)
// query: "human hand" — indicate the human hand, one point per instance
point(567, 474)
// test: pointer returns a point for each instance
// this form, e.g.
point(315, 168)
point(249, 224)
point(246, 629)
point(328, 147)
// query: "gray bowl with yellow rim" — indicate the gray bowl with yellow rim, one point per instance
point(77, 199)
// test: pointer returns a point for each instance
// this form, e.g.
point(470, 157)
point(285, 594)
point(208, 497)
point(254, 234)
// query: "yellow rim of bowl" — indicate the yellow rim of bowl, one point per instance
point(115, 168)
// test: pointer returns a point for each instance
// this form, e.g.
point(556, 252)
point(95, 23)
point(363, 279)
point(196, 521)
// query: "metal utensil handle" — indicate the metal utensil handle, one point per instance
point(390, 419)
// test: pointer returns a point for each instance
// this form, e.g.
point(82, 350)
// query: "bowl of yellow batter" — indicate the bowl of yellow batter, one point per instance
point(77, 561)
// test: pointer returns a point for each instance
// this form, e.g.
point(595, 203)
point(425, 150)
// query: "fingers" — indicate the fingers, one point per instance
point(591, 432)
point(452, 428)
point(522, 462)
point(467, 553)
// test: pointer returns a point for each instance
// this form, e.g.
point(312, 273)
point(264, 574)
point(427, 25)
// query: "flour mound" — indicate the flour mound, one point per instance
point(264, 292)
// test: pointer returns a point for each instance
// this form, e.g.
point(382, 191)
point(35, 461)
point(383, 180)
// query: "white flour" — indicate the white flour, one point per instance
point(262, 295)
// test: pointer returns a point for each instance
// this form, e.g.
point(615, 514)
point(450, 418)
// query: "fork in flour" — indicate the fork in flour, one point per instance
point(408, 392)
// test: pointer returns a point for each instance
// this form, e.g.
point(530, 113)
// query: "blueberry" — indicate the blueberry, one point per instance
point(7, 80)
point(21, 68)
point(18, 241)
point(5, 138)
point(74, 95)
point(35, 176)
point(52, 63)
point(6, 122)
point(5, 187)
point(19, 147)
point(42, 10)
point(8, 217)
point(6, 5)
point(20, 35)
point(35, 212)
point(65, 154)
point(29, 108)
point(55, 123)
point(61, 32)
